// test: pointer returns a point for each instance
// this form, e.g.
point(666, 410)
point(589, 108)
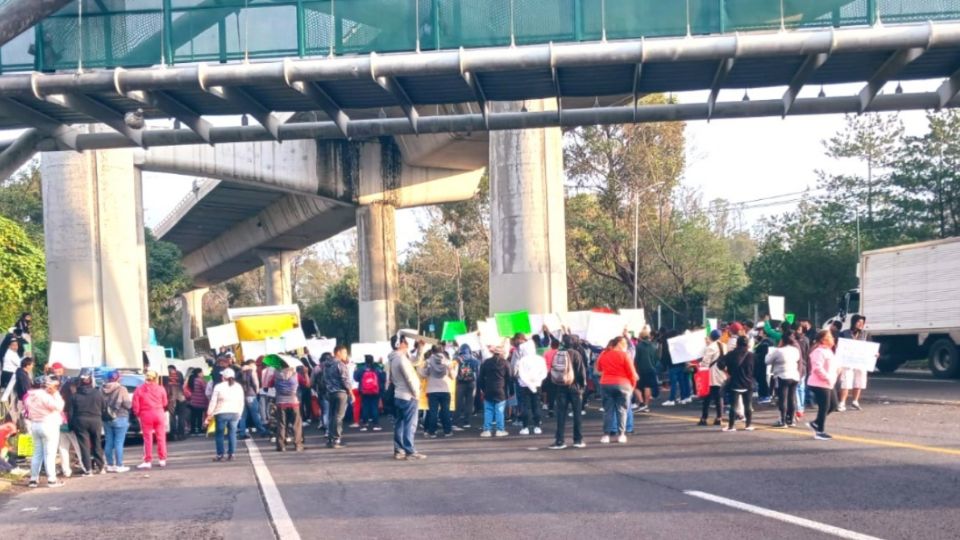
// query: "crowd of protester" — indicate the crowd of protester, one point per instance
point(434, 389)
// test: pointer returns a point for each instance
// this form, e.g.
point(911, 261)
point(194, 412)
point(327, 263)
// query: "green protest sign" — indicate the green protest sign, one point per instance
point(453, 329)
point(509, 324)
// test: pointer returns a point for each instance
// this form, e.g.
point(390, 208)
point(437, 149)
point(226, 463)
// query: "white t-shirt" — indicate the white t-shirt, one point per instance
point(11, 361)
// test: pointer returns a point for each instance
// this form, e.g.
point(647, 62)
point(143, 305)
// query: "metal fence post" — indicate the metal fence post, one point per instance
point(872, 15)
point(723, 15)
point(435, 21)
point(301, 31)
point(168, 31)
point(578, 20)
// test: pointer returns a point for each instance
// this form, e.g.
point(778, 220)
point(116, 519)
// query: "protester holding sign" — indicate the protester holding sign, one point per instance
point(851, 378)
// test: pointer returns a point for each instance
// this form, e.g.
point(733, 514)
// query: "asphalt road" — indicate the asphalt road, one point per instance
point(893, 471)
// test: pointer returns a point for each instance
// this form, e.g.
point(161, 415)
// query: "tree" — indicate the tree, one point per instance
point(338, 314)
point(23, 276)
point(166, 281)
point(21, 201)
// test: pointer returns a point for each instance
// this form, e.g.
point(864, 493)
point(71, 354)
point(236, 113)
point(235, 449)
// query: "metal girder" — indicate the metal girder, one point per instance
point(393, 86)
point(242, 100)
point(949, 89)
point(170, 105)
point(20, 152)
point(98, 111)
point(723, 69)
point(637, 72)
point(474, 83)
point(16, 16)
point(472, 122)
point(887, 71)
point(318, 95)
point(800, 78)
point(45, 124)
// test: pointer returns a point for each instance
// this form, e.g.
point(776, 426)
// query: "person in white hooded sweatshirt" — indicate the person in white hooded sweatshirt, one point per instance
point(785, 361)
point(226, 406)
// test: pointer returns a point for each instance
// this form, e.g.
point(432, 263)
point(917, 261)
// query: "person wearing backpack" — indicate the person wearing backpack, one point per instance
point(568, 375)
point(336, 379)
point(116, 415)
point(467, 368)
point(286, 385)
point(439, 372)
point(316, 382)
point(371, 382)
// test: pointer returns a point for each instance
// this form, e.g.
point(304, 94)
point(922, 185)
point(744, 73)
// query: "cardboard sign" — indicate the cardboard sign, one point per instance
point(634, 319)
point(294, 339)
point(576, 322)
point(318, 346)
point(687, 347)
point(602, 327)
point(66, 353)
point(253, 349)
point(158, 360)
point(489, 335)
point(379, 351)
point(91, 353)
point(224, 335)
point(185, 366)
point(857, 354)
point(777, 309)
point(471, 340)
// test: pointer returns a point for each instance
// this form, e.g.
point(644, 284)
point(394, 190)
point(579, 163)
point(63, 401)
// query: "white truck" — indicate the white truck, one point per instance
point(911, 297)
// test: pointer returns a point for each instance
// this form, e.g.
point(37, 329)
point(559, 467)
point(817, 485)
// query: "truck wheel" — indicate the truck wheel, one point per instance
point(944, 361)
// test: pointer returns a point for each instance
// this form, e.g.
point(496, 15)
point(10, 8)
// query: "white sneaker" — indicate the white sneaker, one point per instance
point(110, 468)
point(622, 439)
point(502, 433)
point(856, 405)
point(570, 414)
point(162, 463)
point(580, 444)
point(605, 439)
point(121, 469)
point(145, 465)
point(457, 428)
point(524, 431)
point(669, 403)
point(583, 413)
point(537, 431)
point(687, 401)
point(841, 408)
point(486, 435)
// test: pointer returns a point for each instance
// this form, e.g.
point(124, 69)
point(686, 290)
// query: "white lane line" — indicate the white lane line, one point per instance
point(282, 523)
point(786, 518)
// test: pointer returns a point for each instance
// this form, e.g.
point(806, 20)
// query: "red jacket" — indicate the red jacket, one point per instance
point(615, 367)
point(149, 399)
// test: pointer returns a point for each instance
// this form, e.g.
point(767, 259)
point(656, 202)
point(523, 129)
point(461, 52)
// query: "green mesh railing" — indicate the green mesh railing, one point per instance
point(131, 33)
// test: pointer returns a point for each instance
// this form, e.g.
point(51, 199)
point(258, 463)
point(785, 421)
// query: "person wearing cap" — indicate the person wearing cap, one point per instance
point(45, 410)
point(86, 421)
point(711, 357)
point(150, 406)
point(116, 414)
point(226, 406)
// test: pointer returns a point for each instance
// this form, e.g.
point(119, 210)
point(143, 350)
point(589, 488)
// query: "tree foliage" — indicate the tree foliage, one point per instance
point(166, 281)
point(23, 280)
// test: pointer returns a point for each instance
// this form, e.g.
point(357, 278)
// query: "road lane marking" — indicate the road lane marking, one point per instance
point(846, 438)
point(279, 517)
point(877, 380)
point(780, 516)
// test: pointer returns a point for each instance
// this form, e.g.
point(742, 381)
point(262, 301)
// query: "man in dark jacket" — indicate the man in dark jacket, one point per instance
point(572, 394)
point(760, 366)
point(645, 362)
point(468, 368)
point(739, 364)
point(23, 379)
point(336, 379)
point(493, 381)
point(86, 420)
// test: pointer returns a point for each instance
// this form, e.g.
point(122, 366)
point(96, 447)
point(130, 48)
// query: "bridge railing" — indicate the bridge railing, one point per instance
point(132, 33)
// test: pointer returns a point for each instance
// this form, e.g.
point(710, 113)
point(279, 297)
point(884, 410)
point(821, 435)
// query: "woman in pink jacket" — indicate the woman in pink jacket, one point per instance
point(824, 370)
point(150, 406)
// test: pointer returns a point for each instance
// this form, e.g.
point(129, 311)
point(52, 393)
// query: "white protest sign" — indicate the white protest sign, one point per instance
point(576, 322)
point(66, 353)
point(274, 345)
point(536, 323)
point(634, 319)
point(185, 366)
point(318, 346)
point(471, 340)
point(91, 355)
point(777, 309)
point(714, 325)
point(528, 348)
point(856, 354)
point(552, 322)
point(158, 360)
point(489, 335)
point(687, 347)
point(602, 327)
point(224, 335)
point(359, 350)
point(532, 371)
point(253, 349)
point(294, 339)
point(383, 351)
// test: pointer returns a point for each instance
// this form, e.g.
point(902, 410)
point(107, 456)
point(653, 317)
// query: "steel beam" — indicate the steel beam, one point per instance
point(515, 120)
point(394, 87)
point(724, 69)
point(19, 152)
point(99, 112)
point(800, 78)
point(170, 105)
point(45, 124)
point(949, 89)
point(887, 71)
point(242, 100)
point(319, 96)
point(474, 83)
point(16, 16)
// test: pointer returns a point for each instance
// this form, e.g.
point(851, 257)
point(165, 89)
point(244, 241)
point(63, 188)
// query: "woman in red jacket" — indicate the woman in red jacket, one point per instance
point(150, 406)
point(618, 377)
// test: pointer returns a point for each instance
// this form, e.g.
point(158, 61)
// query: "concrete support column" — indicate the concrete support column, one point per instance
point(192, 319)
point(528, 263)
point(277, 276)
point(379, 277)
point(93, 238)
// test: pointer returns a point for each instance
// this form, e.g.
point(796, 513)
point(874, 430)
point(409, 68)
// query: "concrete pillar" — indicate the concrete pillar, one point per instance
point(277, 277)
point(192, 319)
point(528, 263)
point(379, 277)
point(93, 238)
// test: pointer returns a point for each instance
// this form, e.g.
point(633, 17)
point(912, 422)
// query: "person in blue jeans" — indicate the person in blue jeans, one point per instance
point(117, 404)
point(226, 406)
point(679, 386)
point(406, 397)
point(493, 381)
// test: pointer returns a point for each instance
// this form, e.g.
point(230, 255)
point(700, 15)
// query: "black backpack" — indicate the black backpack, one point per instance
point(466, 373)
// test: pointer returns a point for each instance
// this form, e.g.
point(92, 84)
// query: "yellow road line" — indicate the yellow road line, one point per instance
point(845, 438)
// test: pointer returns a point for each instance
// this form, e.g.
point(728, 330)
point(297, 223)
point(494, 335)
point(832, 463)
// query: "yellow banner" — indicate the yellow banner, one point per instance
point(261, 327)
